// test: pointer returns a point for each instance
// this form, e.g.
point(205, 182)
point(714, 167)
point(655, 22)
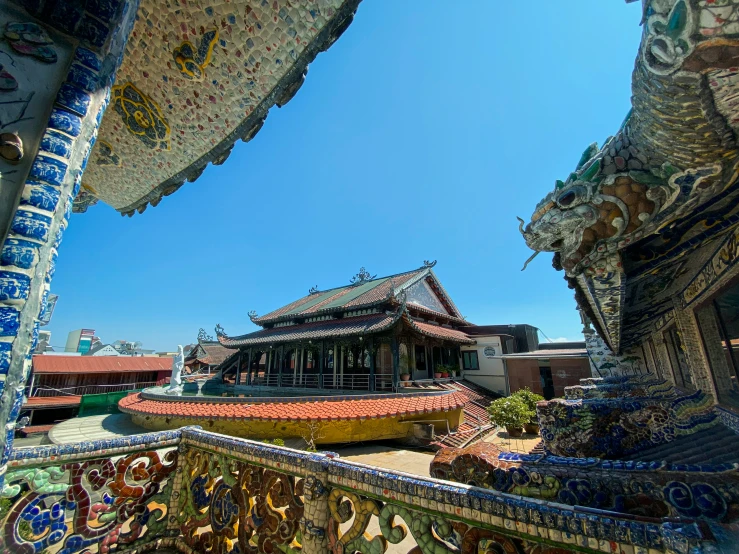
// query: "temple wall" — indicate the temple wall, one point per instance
point(605, 363)
point(700, 369)
point(324, 432)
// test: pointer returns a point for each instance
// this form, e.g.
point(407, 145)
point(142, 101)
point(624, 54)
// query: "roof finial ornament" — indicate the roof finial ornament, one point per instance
point(362, 277)
point(203, 336)
point(219, 331)
point(428, 264)
point(313, 290)
point(253, 315)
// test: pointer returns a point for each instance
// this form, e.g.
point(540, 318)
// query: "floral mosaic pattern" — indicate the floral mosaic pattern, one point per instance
point(719, 17)
point(191, 60)
point(141, 116)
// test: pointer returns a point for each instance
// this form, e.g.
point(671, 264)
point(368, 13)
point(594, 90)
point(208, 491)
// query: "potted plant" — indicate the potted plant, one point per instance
point(405, 375)
point(510, 412)
point(438, 371)
point(531, 399)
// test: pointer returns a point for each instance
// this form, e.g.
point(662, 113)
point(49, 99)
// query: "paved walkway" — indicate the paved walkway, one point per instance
point(92, 428)
point(522, 444)
point(387, 457)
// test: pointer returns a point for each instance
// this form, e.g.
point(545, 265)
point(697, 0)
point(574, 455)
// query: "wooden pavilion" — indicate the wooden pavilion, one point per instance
point(368, 335)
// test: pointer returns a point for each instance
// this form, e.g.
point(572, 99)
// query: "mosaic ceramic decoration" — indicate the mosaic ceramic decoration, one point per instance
point(194, 81)
point(664, 186)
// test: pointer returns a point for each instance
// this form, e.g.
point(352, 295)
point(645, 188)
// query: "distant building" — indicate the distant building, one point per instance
point(548, 369)
point(482, 362)
point(80, 340)
point(103, 350)
point(44, 343)
point(58, 383)
point(206, 356)
point(131, 348)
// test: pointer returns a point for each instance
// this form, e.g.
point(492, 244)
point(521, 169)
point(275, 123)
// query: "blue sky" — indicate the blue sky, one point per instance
point(421, 134)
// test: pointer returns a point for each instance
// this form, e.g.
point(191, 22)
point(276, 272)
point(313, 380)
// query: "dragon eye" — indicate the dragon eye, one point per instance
point(567, 198)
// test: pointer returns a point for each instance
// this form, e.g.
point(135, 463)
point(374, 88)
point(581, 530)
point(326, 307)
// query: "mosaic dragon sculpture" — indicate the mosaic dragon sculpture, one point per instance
point(675, 151)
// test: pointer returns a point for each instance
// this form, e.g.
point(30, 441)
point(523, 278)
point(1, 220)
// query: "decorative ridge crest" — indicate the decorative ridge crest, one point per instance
point(253, 315)
point(313, 290)
point(361, 278)
point(427, 264)
point(220, 332)
point(203, 336)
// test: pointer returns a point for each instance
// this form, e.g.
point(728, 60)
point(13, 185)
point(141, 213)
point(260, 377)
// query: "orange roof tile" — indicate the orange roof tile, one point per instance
point(288, 411)
point(99, 364)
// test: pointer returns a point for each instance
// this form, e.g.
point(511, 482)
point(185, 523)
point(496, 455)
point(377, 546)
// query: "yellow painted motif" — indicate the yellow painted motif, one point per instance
point(191, 61)
point(141, 115)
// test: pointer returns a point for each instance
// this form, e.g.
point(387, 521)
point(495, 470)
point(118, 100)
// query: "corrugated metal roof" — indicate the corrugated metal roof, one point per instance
point(99, 364)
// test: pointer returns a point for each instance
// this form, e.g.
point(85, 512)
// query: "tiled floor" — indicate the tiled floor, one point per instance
point(94, 428)
point(523, 444)
point(388, 457)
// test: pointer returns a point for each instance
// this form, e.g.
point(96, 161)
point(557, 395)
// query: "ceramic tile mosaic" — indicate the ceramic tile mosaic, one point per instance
point(195, 81)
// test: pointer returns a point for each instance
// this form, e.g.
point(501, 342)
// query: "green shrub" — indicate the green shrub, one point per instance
point(530, 399)
point(511, 411)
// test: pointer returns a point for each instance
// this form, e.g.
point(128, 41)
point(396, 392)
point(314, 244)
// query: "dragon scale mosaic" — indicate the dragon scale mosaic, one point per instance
point(196, 491)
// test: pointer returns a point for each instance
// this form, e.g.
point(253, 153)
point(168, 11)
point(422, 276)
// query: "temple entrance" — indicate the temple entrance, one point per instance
point(421, 368)
point(547, 383)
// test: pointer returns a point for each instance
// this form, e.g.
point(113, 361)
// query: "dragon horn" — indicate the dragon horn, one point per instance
point(521, 223)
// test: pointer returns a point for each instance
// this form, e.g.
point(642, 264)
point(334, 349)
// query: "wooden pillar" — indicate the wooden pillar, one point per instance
point(238, 368)
point(248, 367)
point(396, 362)
point(321, 363)
point(372, 386)
point(280, 363)
point(336, 363)
point(431, 360)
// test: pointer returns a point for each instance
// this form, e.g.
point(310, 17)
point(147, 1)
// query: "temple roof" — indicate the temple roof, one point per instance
point(334, 328)
point(369, 292)
point(196, 78)
point(208, 352)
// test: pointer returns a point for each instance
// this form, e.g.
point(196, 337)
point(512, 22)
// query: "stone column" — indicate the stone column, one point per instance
point(372, 364)
point(316, 515)
point(699, 365)
point(663, 357)
point(50, 187)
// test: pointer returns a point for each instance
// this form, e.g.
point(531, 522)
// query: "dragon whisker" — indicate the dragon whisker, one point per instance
point(534, 255)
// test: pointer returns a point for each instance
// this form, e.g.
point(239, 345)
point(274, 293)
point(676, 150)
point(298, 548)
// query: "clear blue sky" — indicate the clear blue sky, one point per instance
point(421, 134)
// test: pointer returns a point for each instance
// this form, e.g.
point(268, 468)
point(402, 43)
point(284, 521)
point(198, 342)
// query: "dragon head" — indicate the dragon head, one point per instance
point(562, 220)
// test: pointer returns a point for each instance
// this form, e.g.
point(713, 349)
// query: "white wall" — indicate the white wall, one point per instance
point(491, 374)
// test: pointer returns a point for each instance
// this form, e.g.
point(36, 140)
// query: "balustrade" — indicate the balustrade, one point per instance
point(202, 492)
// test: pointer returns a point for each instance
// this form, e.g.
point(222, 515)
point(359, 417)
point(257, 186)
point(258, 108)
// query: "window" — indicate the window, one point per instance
point(469, 360)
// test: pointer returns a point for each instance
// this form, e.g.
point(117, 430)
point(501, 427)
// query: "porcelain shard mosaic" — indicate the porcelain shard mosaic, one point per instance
point(217, 494)
point(189, 79)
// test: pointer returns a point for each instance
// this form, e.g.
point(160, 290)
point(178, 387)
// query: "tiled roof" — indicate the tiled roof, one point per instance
point(52, 401)
point(99, 364)
point(438, 332)
point(334, 328)
point(551, 353)
point(214, 353)
point(292, 411)
point(340, 298)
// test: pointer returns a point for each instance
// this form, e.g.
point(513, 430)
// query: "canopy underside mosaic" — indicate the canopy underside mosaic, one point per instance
point(194, 81)
point(640, 215)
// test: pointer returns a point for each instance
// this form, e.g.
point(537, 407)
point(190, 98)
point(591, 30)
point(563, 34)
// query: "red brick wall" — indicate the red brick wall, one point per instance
point(565, 372)
point(524, 373)
point(568, 372)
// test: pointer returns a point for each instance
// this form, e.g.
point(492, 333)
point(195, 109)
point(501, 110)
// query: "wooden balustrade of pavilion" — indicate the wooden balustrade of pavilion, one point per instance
point(363, 336)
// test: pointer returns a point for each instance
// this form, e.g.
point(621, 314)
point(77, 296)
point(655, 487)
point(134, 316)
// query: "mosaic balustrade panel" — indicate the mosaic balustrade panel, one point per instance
point(654, 489)
point(613, 428)
point(657, 388)
point(102, 495)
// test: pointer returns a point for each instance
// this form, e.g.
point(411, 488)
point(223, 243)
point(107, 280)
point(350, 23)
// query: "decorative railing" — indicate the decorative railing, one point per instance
point(221, 494)
point(44, 391)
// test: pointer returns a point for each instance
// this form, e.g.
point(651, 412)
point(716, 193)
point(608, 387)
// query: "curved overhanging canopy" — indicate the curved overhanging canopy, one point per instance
point(195, 79)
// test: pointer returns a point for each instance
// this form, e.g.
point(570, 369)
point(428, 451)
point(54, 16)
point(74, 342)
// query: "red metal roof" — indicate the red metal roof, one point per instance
point(52, 401)
point(551, 353)
point(292, 411)
point(99, 364)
